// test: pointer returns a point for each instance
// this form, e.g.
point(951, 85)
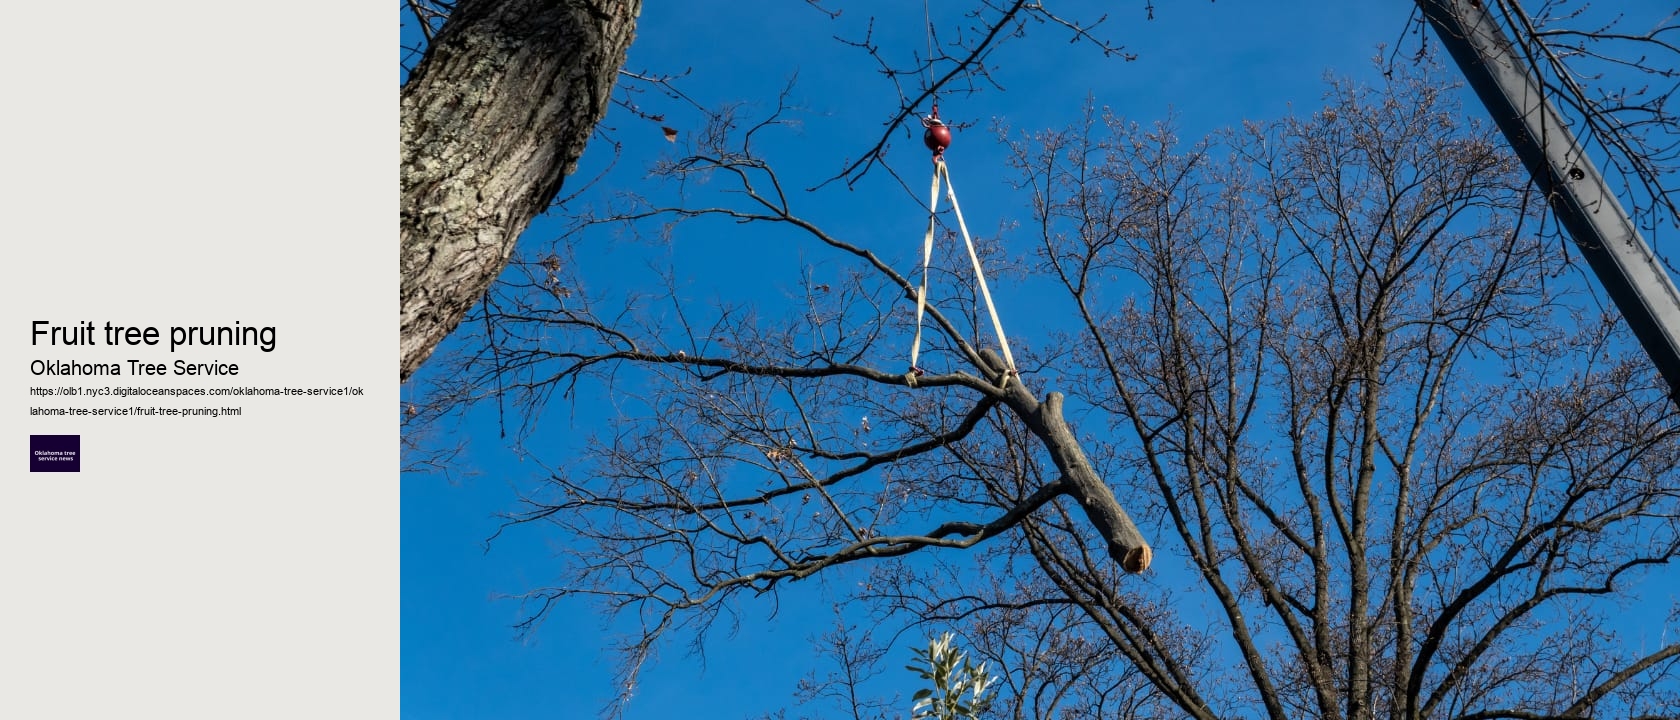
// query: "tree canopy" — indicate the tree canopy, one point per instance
point(1335, 368)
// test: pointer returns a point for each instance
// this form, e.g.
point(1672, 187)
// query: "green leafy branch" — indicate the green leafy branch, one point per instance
point(954, 679)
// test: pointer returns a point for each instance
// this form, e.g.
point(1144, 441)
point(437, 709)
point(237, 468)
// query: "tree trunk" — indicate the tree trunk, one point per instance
point(493, 119)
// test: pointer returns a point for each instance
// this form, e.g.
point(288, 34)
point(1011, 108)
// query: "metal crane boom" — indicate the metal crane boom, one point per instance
point(1561, 168)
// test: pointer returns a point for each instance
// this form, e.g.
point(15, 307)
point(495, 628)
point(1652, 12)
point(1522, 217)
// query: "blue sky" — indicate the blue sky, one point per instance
point(1210, 65)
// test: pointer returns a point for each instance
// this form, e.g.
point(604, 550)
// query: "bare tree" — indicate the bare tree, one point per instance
point(506, 93)
point(1348, 386)
point(1397, 469)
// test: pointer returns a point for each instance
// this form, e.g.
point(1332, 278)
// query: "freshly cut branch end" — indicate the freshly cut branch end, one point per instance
point(1135, 560)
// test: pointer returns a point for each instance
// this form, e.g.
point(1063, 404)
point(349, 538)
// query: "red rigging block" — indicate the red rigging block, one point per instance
point(937, 137)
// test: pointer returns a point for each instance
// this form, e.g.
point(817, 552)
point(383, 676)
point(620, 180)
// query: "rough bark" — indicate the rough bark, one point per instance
point(493, 119)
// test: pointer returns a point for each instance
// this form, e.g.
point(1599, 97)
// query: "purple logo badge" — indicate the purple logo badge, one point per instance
point(55, 453)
